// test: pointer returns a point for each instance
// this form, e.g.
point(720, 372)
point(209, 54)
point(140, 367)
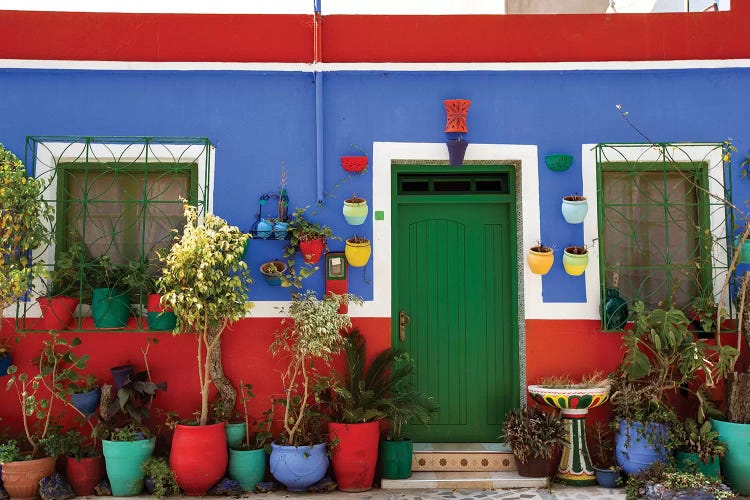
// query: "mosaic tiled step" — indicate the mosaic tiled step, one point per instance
point(464, 480)
point(462, 457)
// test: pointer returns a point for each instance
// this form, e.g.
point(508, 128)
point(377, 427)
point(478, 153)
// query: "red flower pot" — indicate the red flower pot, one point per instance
point(354, 163)
point(312, 250)
point(57, 312)
point(85, 474)
point(199, 457)
point(354, 454)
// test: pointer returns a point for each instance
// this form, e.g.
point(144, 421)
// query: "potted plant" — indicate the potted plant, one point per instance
point(534, 436)
point(160, 478)
point(84, 461)
point(357, 251)
point(85, 396)
point(126, 438)
point(406, 405)
point(357, 404)
point(307, 237)
point(272, 272)
point(311, 334)
point(355, 163)
point(25, 220)
point(574, 208)
point(247, 460)
point(65, 290)
point(206, 284)
point(355, 210)
point(540, 259)
point(601, 445)
point(661, 358)
point(36, 396)
point(699, 448)
point(142, 278)
point(110, 295)
point(703, 314)
point(575, 260)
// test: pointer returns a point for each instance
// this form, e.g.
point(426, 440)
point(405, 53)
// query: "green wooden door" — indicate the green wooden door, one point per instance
point(455, 277)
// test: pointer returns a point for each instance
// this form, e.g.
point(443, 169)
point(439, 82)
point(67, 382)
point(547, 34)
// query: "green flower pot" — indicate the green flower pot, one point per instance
point(247, 466)
point(395, 458)
point(124, 460)
point(110, 308)
point(690, 462)
point(235, 434)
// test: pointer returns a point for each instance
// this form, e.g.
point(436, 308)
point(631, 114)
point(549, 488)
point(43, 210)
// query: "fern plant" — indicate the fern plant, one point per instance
point(381, 391)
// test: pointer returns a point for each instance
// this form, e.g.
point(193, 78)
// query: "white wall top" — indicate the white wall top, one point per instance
point(262, 7)
point(165, 6)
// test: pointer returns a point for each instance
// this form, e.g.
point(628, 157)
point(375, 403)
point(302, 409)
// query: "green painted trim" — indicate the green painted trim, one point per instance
point(509, 199)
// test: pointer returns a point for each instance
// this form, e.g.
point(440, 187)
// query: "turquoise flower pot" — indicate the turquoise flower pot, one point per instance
point(280, 230)
point(355, 211)
point(574, 209)
point(247, 466)
point(124, 460)
point(736, 464)
point(265, 229)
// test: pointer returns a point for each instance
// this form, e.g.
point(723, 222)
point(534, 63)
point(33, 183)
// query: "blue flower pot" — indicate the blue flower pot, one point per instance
point(639, 445)
point(574, 210)
point(607, 478)
point(280, 230)
point(5, 363)
point(298, 467)
point(265, 229)
point(86, 402)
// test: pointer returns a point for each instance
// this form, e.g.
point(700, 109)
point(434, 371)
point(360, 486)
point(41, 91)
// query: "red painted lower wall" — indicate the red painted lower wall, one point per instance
point(553, 347)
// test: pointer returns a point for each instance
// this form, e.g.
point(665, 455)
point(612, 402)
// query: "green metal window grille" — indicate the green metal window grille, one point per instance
point(117, 201)
point(663, 225)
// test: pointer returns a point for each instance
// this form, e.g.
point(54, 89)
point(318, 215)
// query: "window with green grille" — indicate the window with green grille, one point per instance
point(662, 223)
point(114, 197)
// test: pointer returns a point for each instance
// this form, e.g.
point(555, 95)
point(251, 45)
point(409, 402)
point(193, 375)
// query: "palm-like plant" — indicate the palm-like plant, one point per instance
point(382, 391)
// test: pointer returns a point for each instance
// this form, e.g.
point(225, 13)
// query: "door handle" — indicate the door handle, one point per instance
point(403, 322)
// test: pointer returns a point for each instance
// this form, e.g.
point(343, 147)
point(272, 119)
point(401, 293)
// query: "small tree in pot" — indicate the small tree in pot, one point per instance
point(25, 219)
point(206, 283)
point(311, 333)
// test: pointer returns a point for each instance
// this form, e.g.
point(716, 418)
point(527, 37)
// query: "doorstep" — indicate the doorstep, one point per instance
point(464, 457)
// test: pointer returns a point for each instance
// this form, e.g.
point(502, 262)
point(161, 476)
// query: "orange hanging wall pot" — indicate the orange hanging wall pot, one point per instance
point(455, 111)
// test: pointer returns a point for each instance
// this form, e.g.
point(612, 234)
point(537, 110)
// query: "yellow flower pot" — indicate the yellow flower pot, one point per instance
point(540, 259)
point(357, 252)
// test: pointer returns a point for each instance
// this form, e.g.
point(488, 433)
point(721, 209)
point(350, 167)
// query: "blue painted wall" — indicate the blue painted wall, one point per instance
point(257, 120)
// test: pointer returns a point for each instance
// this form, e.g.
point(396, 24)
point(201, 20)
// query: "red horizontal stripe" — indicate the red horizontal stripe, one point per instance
point(155, 37)
point(289, 38)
